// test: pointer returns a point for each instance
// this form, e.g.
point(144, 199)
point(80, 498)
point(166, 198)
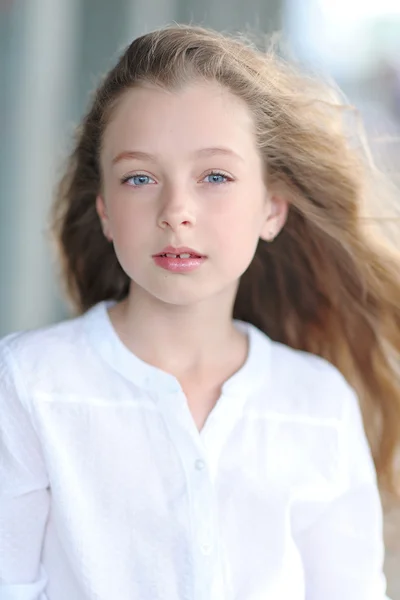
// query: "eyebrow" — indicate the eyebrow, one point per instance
point(204, 152)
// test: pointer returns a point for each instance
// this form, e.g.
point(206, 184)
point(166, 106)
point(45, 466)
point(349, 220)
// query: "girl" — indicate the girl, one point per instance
point(181, 439)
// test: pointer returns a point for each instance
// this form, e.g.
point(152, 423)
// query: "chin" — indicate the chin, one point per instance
point(182, 291)
point(184, 300)
point(192, 295)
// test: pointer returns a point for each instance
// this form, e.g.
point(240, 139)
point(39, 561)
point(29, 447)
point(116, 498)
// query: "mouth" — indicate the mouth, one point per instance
point(179, 260)
point(182, 253)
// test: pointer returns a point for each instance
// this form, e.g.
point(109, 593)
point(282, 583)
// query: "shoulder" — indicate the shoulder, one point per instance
point(46, 358)
point(33, 346)
point(303, 369)
point(301, 384)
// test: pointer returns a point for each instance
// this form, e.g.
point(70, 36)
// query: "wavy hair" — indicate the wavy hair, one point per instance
point(328, 284)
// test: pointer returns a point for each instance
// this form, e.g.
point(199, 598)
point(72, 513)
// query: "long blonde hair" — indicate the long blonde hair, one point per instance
point(328, 284)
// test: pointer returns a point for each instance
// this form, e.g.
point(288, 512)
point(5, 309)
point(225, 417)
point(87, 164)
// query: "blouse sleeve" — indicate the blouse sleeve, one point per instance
point(342, 548)
point(24, 497)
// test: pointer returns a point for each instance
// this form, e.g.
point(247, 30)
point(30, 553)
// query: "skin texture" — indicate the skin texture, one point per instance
point(184, 194)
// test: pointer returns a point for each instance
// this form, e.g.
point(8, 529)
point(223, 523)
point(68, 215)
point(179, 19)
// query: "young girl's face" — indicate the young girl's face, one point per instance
point(184, 197)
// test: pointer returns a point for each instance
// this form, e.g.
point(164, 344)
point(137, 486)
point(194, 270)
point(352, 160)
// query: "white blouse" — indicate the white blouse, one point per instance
point(109, 492)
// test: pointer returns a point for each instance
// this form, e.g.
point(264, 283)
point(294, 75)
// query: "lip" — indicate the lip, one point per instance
point(179, 250)
point(175, 264)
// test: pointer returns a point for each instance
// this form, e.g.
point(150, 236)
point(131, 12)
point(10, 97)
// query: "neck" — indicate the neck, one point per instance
point(178, 339)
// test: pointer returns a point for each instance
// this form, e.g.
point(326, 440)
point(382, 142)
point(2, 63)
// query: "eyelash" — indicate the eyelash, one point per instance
point(228, 178)
point(132, 175)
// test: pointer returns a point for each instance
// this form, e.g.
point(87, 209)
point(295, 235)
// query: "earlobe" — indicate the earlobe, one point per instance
point(276, 218)
point(102, 213)
point(268, 236)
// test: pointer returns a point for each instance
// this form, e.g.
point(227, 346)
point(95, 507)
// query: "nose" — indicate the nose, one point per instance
point(177, 209)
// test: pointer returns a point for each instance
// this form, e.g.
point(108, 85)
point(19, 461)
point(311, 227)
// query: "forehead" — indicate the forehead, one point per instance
point(204, 114)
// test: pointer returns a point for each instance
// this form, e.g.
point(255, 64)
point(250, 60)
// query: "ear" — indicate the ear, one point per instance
point(103, 216)
point(277, 212)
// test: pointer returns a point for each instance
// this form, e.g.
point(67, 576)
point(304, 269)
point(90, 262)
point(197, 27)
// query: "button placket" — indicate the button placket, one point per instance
point(203, 508)
point(194, 459)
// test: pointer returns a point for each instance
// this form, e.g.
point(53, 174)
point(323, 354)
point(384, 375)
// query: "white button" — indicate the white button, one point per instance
point(200, 464)
point(206, 549)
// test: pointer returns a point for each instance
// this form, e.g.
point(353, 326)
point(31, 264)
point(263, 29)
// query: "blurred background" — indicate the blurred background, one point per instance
point(52, 53)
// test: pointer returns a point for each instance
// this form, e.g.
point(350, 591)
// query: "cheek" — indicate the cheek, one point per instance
point(131, 233)
point(238, 232)
point(237, 239)
point(129, 220)
point(242, 219)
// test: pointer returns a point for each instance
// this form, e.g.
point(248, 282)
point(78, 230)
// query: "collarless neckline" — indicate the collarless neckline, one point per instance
point(116, 354)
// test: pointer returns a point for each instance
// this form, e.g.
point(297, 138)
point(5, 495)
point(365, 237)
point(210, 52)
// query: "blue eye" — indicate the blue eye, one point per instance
point(216, 178)
point(138, 180)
